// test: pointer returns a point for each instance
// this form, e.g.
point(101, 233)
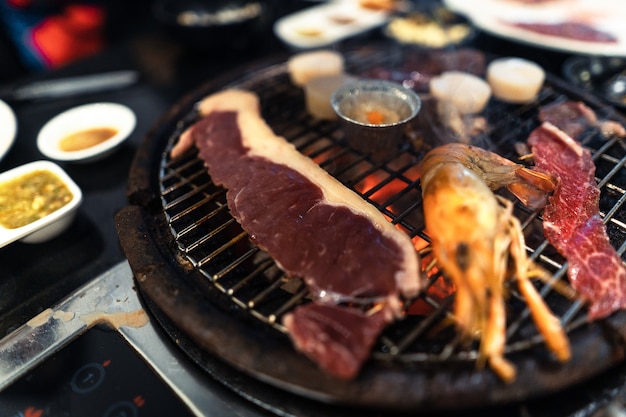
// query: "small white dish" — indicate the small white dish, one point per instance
point(88, 117)
point(8, 128)
point(323, 25)
point(53, 223)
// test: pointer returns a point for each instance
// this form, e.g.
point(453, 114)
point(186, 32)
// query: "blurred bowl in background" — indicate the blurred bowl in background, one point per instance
point(213, 24)
point(603, 76)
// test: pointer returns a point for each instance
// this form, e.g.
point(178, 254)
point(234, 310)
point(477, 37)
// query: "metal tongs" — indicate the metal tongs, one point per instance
point(69, 86)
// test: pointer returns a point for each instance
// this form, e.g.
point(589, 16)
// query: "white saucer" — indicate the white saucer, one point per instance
point(88, 116)
point(8, 128)
point(323, 25)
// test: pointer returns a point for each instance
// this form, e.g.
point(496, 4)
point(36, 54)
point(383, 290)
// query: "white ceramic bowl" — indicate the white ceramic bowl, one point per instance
point(83, 118)
point(50, 225)
point(8, 128)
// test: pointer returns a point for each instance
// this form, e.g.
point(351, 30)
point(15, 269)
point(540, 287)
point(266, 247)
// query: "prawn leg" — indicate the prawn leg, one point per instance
point(547, 323)
point(494, 340)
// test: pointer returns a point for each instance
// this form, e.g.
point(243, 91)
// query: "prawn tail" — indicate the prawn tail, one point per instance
point(504, 368)
point(532, 188)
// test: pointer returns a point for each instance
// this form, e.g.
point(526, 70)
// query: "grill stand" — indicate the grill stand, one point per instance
point(113, 292)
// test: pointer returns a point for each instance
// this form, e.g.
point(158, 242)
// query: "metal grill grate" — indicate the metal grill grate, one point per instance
point(212, 240)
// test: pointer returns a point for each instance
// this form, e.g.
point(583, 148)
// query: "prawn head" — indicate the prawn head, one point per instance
point(529, 186)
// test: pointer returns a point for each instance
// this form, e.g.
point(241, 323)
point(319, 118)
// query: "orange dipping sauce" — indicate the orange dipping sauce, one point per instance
point(84, 139)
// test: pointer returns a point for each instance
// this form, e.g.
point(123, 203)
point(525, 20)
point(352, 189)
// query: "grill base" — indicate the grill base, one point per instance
point(601, 396)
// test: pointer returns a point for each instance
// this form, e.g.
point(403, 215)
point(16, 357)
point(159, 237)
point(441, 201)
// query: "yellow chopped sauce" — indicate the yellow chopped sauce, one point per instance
point(30, 197)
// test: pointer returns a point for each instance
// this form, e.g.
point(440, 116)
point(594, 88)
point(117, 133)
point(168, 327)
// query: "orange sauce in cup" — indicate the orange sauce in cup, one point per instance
point(375, 117)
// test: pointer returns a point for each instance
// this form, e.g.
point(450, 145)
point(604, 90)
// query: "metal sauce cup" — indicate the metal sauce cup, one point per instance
point(374, 113)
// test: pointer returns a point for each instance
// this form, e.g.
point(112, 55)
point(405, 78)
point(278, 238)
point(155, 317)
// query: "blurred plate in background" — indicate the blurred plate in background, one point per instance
point(327, 23)
point(594, 27)
point(8, 128)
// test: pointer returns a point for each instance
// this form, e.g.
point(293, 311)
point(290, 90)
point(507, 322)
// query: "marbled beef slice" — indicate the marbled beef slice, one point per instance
point(573, 225)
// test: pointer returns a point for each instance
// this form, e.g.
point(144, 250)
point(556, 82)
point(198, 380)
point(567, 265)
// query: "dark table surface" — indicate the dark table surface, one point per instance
point(34, 277)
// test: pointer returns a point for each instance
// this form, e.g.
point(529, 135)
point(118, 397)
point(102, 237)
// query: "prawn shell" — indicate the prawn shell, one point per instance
point(460, 211)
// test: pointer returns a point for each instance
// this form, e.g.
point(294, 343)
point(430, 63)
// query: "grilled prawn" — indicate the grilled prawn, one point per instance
point(476, 240)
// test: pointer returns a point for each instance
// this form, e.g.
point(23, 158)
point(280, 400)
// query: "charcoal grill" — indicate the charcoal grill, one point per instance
point(210, 286)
